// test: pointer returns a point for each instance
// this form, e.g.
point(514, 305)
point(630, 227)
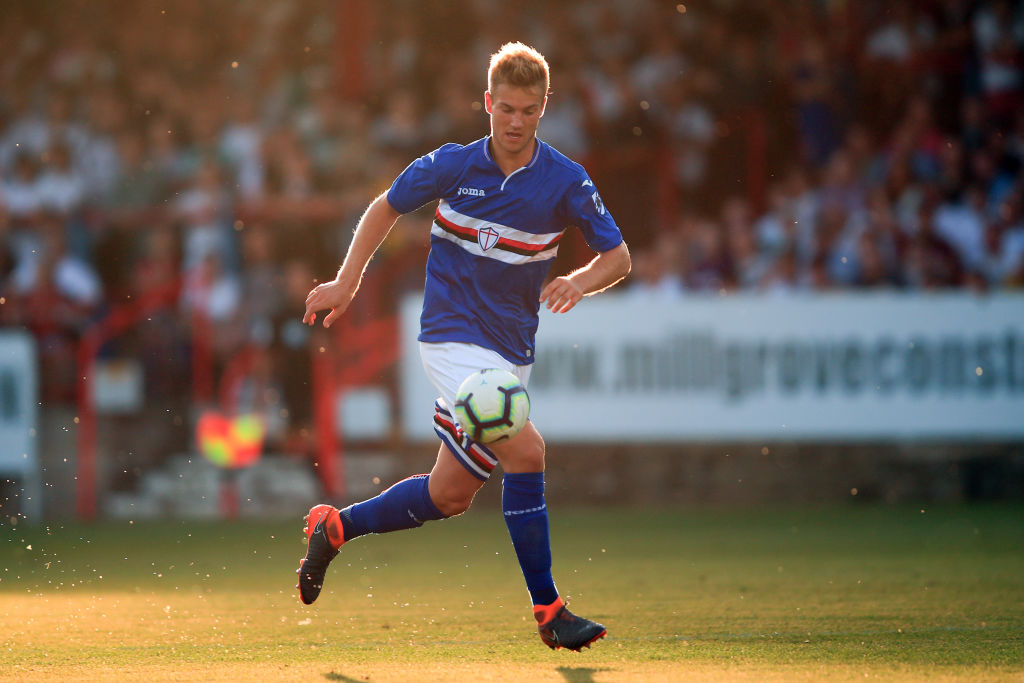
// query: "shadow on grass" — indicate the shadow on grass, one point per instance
point(571, 674)
point(335, 676)
point(578, 674)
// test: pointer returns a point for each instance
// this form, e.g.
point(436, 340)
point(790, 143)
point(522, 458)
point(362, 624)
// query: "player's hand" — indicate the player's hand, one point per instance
point(335, 295)
point(561, 294)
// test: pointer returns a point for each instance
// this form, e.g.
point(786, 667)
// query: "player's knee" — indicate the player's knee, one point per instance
point(525, 455)
point(452, 503)
point(533, 453)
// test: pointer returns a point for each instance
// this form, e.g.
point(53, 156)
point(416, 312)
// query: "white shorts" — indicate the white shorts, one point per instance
point(447, 364)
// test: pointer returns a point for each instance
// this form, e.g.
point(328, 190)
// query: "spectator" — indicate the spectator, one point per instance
point(99, 161)
point(141, 184)
point(706, 256)
point(158, 263)
point(999, 37)
point(1004, 242)
point(203, 207)
point(54, 272)
point(21, 192)
point(690, 126)
point(8, 316)
point(875, 269)
point(292, 356)
point(812, 86)
point(26, 134)
point(782, 276)
point(262, 280)
point(400, 127)
point(890, 149)
point(260, 393)
point(61, 188)
point(241, 144)
point(211, 291)
point(838, 234)
point(930, 262)
point(962, 224)
point(657, 273)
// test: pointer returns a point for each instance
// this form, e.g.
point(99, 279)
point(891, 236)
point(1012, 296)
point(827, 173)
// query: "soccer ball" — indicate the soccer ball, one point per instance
point(491, 405)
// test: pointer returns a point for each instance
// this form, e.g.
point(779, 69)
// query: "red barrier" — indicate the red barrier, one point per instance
point(202, 358)
point(330, 459)
point(360, 353)
point(119, 320)
point(757, 158)
point(231, 380)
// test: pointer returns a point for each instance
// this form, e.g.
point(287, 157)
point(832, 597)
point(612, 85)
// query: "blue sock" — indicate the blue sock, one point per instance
point(526, 516)
point(406, 505)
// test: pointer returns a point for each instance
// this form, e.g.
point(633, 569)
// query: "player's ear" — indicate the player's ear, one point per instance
point(544, 105)
point(488, 104)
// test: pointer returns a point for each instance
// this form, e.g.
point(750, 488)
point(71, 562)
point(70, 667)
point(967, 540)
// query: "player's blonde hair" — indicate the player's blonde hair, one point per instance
point(519, 65)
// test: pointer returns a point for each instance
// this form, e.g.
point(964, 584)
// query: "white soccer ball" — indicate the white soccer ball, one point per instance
point(491, 405)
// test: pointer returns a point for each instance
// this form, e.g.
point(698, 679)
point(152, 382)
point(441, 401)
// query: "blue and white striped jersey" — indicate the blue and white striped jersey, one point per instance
point(493, 239)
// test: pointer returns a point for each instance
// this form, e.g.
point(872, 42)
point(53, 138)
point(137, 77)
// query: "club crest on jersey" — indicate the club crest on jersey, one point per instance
point(487, 237)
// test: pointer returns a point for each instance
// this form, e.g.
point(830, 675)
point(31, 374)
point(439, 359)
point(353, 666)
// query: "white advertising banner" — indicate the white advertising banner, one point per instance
point(18, 417)
point(745, 367)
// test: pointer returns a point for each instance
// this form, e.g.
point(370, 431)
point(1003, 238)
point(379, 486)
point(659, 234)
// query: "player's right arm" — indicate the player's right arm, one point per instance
point(337, 294)
point(424, 180)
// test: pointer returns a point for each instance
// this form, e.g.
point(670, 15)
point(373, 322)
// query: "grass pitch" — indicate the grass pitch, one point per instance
point(842, 593)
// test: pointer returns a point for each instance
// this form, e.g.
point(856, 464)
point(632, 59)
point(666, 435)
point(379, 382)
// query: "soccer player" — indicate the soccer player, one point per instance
point(504, 202)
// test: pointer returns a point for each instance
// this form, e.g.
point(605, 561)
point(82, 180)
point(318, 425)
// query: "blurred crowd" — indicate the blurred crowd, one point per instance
point(223, 150)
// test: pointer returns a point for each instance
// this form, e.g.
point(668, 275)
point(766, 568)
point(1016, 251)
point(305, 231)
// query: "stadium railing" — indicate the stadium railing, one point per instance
point(353, 356)
point(119, 320)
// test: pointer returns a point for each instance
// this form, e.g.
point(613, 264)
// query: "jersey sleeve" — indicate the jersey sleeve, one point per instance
point(422, 181)
point(586, 211)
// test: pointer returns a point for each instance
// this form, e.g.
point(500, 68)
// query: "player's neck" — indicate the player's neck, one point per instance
point(509, 162)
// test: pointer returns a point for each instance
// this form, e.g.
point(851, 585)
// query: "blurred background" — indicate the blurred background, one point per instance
point(175, 177)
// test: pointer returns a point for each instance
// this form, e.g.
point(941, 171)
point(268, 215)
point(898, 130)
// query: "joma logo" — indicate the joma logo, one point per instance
point(471, 191)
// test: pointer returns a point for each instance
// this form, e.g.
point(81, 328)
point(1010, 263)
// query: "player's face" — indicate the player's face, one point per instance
point(515, 113)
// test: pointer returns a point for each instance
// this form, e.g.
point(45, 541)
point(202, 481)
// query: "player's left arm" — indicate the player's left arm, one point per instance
point(603, 271)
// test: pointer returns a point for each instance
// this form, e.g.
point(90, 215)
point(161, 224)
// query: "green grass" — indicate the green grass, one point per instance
point(840, 592)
